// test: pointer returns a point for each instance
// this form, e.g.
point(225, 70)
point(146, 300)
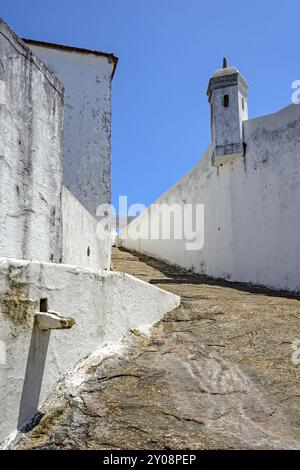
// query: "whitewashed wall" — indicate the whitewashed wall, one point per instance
point(87, 126)
point(81, 244)
point(31, 153)
point(104, 306)
point(252, 209)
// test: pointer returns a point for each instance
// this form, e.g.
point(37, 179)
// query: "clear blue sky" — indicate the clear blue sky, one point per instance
point(167, 51)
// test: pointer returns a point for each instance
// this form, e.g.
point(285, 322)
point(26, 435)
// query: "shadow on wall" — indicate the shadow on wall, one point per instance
point(33, 376)
point(177, 275)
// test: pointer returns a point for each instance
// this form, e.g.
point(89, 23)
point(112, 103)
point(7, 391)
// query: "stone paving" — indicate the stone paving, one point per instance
point(215, 373)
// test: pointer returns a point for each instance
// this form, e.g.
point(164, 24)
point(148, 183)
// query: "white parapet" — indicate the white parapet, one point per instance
point(251, 225)
point(102, 307)
point(83, 243)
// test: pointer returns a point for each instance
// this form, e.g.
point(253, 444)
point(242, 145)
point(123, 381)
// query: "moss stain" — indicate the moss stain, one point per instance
point(16, 305)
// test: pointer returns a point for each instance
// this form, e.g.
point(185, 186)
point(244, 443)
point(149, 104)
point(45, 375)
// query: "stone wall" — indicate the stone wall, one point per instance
point(87, 127)
point(251, 209)
point(31, 153)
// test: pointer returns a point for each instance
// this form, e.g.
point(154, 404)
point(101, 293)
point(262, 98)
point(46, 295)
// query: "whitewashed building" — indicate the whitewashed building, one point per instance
point(86, 76)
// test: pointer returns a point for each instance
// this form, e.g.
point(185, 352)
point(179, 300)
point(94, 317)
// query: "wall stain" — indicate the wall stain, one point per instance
point(16, 305)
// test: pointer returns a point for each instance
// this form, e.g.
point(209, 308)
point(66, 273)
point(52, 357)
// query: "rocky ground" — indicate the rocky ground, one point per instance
point(214, 373)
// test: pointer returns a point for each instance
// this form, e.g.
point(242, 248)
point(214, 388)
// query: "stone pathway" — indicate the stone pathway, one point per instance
point(214, 373)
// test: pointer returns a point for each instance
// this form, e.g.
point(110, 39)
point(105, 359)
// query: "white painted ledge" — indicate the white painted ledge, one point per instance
point(104, 305)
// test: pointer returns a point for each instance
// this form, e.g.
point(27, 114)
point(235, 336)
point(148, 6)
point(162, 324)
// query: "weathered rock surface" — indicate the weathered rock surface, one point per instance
point(214, 373)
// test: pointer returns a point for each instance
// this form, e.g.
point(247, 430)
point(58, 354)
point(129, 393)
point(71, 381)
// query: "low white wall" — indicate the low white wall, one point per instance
point(251, 207)
point(81, 245)
point(104, 307)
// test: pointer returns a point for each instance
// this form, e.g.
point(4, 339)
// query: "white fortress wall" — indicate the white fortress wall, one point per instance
point(87, 124)
point(104, 306)
point(31, 153)
point(81, 243)
point(251, 209)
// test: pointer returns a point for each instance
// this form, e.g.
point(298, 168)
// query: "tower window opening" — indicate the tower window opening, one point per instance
point(226, 101)
point(243, 104)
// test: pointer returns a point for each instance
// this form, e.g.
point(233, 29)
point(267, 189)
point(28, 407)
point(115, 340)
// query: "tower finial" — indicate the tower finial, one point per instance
point(224, 63)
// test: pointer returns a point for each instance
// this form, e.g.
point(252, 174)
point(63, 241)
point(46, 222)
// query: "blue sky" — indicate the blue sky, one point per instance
point(167, 51)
